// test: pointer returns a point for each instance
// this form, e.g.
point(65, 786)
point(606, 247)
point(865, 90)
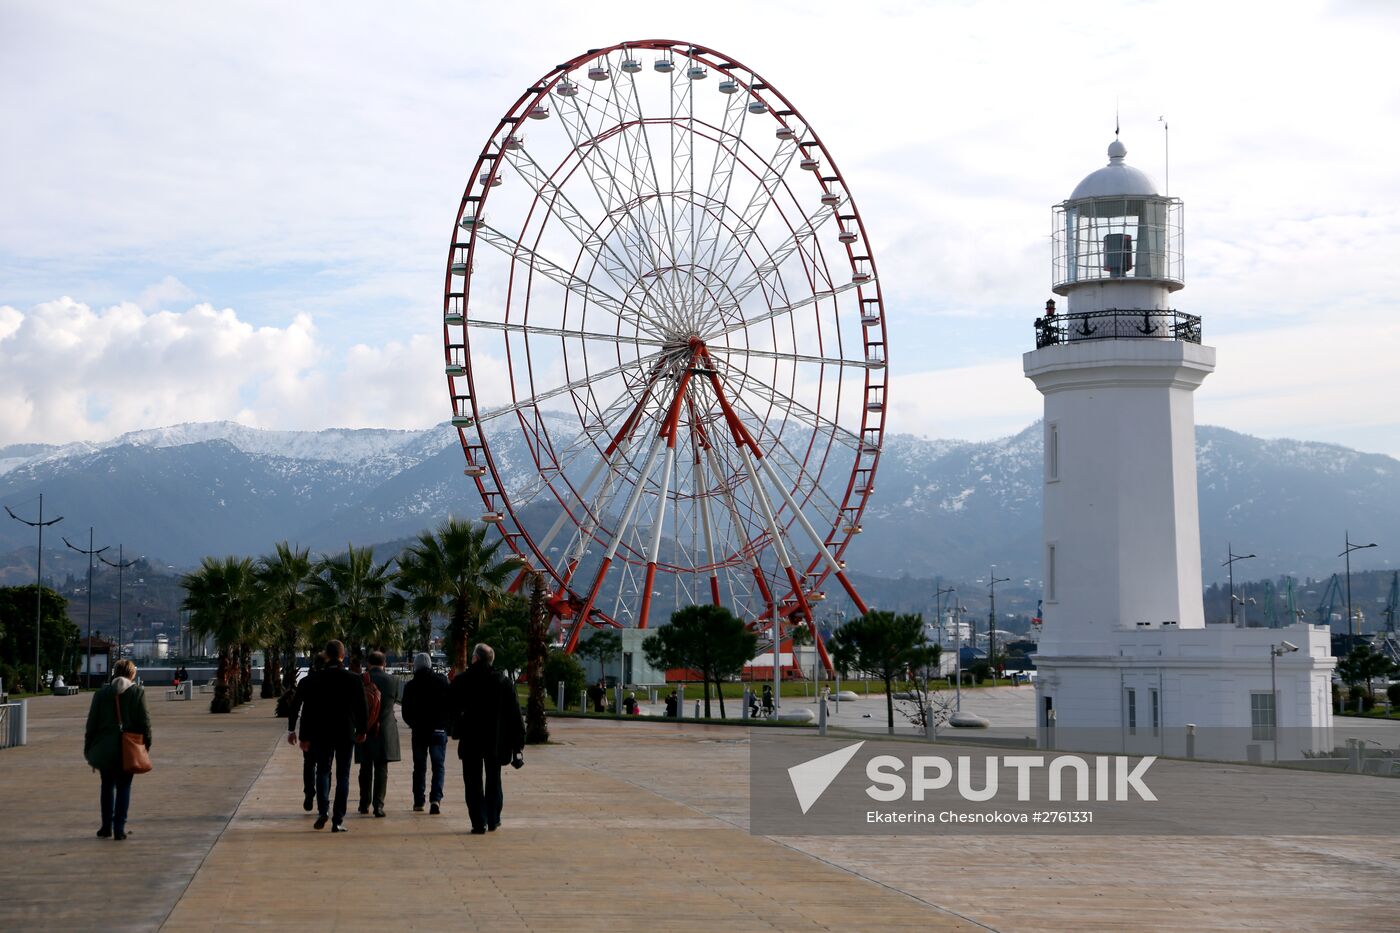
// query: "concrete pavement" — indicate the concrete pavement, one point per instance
point(617, 826)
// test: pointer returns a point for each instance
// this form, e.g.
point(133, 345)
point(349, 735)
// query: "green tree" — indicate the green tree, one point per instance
point(221, 598)
point(562, 667)
point(886, 644)
point(58, 636)
point(422, 600)
point(507, 632)
point(283, 579)
point(1364, 664)
point(354, 603)
point(603, 646)
point(708, 639)
point(467, 577)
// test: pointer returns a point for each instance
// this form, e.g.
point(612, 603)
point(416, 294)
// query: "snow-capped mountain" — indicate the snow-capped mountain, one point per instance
point(940, 506)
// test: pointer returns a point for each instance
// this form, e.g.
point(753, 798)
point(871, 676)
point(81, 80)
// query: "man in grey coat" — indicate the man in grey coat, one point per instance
point(381, 747)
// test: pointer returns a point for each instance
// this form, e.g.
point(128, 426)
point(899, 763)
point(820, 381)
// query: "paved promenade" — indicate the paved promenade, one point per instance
point(618, 827)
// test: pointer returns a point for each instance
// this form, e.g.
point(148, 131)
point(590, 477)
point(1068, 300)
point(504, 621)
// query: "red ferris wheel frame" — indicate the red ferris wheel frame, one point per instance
point(698, 369)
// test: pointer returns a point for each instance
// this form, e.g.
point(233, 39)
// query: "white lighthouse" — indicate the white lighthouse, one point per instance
point(1126, 658)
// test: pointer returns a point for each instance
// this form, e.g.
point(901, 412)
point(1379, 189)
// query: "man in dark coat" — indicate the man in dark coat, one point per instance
point(333, 718)
point(382, 744)
point(308, 763)
point(490, 730)
point(427, 709)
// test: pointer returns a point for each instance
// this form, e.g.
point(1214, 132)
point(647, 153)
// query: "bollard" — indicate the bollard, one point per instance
point(21, 725)
point(1190, 740)
point(821, 715)
point(697, 709)
point(1355, 747)
point(930, 728)
point(651, 691)
point(559, 703)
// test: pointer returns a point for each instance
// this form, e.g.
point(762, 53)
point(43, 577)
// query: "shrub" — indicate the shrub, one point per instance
point(1367, 698)
point(981, 670)
point(1393, 691)
point(560, 665)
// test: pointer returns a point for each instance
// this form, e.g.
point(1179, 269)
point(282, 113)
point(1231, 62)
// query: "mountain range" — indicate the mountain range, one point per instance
point(942, 507)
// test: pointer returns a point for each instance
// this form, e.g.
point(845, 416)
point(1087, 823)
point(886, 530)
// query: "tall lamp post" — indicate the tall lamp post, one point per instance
point(121, 566)
point(91, 553)
point(39, 578)
point(1275, 652)
point(1231, 557)
point(1351, 619)
point(938, 596)
point(992, 620)
point(957, 629)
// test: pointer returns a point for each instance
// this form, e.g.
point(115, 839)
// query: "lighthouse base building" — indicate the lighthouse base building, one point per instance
point(1126, 660)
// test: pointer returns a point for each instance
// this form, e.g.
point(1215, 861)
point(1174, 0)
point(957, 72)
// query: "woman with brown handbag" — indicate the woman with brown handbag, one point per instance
point(116, 741)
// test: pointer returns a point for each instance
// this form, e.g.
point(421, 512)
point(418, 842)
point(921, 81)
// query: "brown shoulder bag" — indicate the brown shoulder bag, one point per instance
point(135, 758)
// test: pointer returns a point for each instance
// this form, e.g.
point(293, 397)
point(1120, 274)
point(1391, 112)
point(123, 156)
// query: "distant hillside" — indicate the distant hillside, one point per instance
point(942, 507)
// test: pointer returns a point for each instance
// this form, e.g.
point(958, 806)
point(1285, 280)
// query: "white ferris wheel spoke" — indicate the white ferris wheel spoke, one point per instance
point(554, 272)
point(537, 330)
point(616, 267)
point(773, 312)
point(571, 386)
point(604, 175)
point(791, 406)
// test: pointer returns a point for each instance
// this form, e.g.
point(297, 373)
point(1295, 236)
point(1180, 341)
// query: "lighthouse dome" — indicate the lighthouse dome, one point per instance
point(1116, 179)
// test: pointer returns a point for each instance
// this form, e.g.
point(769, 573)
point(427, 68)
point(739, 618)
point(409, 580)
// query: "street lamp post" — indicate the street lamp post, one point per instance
point(1231, 557)
point(1351, 619)
point(1244, 608)
point(91, 553)
point(938, 596)
point(993, 580)
point(1275, 652)
point(957, 628)
point(38, 578)
point(121, 566)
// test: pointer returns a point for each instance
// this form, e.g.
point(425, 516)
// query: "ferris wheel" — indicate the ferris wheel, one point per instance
point(665, 341)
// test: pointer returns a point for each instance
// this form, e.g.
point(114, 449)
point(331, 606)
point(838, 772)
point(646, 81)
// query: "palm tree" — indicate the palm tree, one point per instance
point(354, 602)
point(420, 596)
point(465, 576)
point(221, 599)
point(284, 588)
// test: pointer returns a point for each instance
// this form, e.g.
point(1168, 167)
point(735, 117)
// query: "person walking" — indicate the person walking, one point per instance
point(119, 706)
point(490, 731)
point(308, 762)
point(427, 710)
point(381, 746)
point(334, 718)
point(598, 697)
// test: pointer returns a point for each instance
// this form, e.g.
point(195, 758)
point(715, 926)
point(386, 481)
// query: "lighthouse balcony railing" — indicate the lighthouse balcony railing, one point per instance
point(1117, 324)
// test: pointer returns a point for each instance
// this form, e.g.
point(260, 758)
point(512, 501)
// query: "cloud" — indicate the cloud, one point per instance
point(168, 290)
point(71, 372)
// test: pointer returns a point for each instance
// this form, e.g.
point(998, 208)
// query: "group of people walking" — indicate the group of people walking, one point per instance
point(344, 715)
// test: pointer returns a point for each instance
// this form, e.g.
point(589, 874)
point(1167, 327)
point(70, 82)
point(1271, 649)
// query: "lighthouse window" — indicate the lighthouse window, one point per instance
point(1049, 573)
point(1052, 452)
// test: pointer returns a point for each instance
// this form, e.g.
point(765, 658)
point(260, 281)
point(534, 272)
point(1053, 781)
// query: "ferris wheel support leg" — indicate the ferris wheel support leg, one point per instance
point(622, 527)
point(699, 470)
point(655, 550)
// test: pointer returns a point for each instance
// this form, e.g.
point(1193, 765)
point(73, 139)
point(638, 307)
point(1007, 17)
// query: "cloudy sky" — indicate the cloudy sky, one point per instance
point(242, 210)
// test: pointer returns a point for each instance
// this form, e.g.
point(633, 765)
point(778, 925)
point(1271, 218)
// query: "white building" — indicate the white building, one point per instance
point(1126, 658)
